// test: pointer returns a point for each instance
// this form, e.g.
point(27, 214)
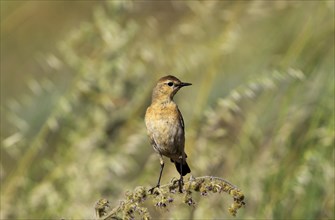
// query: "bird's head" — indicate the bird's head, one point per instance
point(167, 87)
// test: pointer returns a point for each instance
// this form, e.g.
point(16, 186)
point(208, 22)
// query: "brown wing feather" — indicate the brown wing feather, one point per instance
point(181, 119)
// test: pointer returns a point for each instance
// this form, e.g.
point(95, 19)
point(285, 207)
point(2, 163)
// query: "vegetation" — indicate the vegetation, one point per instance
point(132, 206)
point(260, 112)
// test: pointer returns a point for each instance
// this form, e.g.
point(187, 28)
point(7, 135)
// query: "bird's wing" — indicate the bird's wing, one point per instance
point(181, 120)
point(183, 127)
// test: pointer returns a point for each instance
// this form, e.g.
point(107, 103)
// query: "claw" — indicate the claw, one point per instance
point(151, 191)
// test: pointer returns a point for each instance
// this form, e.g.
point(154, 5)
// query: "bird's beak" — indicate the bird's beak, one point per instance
point(182, 84)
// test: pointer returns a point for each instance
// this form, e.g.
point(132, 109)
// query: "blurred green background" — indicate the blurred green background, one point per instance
point(76, 78)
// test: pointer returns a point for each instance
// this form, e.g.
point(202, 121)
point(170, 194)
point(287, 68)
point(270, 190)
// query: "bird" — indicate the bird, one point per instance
point(165, 126)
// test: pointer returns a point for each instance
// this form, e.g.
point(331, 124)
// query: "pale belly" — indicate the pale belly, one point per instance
point(168, 136)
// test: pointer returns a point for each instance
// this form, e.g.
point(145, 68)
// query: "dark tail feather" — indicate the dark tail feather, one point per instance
point(185, 168)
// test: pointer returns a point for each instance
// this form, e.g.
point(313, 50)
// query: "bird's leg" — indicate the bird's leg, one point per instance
point(181, 182)
point(160, 175)
point(161, 171)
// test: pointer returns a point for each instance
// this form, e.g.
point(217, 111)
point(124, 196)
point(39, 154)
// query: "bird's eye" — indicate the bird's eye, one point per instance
point(170, 84)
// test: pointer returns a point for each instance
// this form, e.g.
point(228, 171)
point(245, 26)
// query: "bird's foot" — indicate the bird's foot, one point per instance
point(151, 191)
